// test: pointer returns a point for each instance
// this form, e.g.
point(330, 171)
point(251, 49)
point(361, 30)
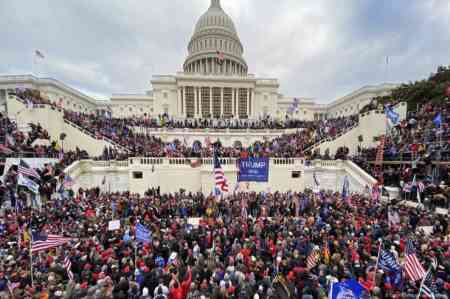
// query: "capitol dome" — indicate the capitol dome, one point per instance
point(215, 48)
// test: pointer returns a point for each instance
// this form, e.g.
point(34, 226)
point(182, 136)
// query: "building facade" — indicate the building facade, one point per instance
point(214, 83)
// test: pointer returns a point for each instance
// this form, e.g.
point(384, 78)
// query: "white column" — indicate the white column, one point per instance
point(197, 91)
point(179, 103)
point(210, 102)
point(195, 104)
point(232, 103)
point(248, 103)
point(184, 100)
point(221, 101)
point(252, 100)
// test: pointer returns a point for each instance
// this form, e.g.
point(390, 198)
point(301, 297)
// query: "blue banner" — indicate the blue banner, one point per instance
point(253, 170)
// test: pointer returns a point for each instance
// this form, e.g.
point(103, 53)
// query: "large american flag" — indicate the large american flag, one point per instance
point(68, 266)
point(221, 181)
point(42, 242)
point(26, 170)
point(412, 266)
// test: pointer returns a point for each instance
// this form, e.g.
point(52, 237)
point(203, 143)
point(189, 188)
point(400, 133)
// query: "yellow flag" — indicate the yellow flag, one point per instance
point(26, 235)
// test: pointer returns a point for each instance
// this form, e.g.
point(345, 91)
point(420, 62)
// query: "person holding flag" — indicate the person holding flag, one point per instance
point(220, 180)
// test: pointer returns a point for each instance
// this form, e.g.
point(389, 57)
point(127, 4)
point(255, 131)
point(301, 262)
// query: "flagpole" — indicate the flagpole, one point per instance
point(421, 284)
point(31, 260)
point(376, 265)
point(135, 256)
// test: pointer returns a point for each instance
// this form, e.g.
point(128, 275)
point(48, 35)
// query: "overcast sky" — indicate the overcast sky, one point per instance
point(318, 49)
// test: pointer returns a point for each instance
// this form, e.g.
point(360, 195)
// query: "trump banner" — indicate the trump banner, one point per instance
point(253, 170)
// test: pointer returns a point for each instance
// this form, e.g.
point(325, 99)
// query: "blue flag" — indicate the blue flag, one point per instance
point(143, 234)
point(438, 120)
point(346, 289)
point(393, 116)
point(389, 264)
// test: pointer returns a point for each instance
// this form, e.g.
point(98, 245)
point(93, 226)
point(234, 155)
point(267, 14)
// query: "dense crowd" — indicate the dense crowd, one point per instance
point(247, 245)
point(417, 141)
point(164, 121)
point(124, 133)
point(17, 142)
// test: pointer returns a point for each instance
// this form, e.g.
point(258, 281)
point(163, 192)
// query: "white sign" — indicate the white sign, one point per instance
point(114, 224)
point(195, 222)
point(426, 229)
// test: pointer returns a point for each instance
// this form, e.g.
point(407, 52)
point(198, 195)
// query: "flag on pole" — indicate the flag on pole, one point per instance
point(312, 259)
point(39, 54)
point(61, 155)
point(413, 267)
point(143, 234)
point(29, 184)
point(428, 286)
point(316, 180)
point(388, 263)
point(68, 266)
point(393, 116)
point(346, 289)
point(221, 181)
point(414, 183)
point(438, 120)
point(346, 188)
point(68, 182)
point(26, 170)
point(41, 242)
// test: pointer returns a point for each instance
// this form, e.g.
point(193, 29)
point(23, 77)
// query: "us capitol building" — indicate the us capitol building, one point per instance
point(215, 82)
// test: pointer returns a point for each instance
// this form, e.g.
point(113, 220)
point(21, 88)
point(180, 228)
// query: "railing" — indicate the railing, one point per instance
point(330, 139)
point(206, 161)
point(83, 130)
point(245, 131)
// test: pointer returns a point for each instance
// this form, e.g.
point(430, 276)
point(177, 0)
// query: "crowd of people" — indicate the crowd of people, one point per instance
point(245, 245)
point(411, 147)
point(124, 132)
point(20, 142)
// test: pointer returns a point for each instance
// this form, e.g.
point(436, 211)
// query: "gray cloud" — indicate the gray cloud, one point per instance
point(320, 49)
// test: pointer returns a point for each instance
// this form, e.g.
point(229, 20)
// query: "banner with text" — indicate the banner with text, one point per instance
point(253, 170)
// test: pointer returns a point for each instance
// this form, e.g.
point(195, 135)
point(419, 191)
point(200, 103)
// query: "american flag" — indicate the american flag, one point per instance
point(407, 188)
point(428, 286)
point(312, 259)
point(412, 265)
point(420, 186)
point(61, 155)
point(26, 170)
point(219, 176)
point(39, 54)
point(376, 192)
point(42, 242)
point(68, 266)
point(68, 181)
